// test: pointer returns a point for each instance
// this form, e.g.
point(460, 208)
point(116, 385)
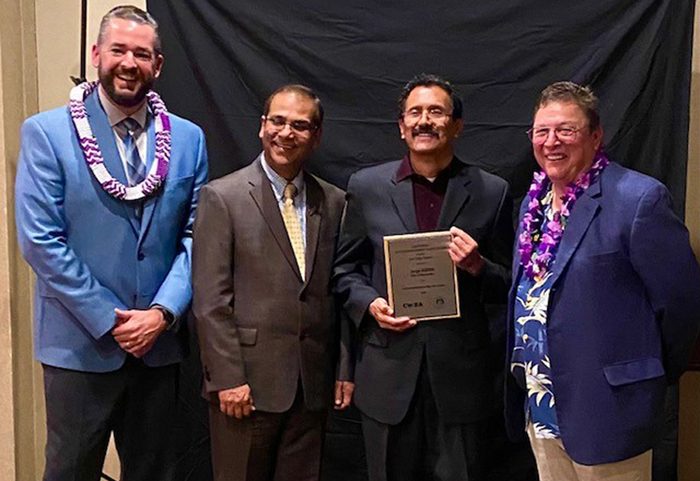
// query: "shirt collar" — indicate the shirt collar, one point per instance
point(114, 115)
point(405, 170)
point(278, 182)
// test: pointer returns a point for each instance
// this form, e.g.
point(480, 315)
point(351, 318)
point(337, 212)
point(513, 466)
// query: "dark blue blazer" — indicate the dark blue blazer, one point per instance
point(623, 316)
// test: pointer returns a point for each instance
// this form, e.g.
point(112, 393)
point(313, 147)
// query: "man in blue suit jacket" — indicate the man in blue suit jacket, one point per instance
point(109, 237)
point(605, 304)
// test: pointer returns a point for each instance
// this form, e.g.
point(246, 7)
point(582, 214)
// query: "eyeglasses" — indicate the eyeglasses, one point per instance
point(436, 114)
point(565, 133)
point(299, 126)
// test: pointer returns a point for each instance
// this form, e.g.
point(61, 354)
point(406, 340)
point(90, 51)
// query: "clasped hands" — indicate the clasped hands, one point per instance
point(237, 401)
point(464, 252)
point(137, 330)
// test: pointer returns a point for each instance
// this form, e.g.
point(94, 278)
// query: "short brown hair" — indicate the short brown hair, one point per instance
point(130, 12)
point(304, 91)
point(574, 93)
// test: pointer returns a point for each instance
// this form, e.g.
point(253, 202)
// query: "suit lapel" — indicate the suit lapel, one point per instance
point(314, 217)
point(456, 196)
point(580, 219)
point(112, 161)
point(402, 198)
point(264, 198)
point(150, 203)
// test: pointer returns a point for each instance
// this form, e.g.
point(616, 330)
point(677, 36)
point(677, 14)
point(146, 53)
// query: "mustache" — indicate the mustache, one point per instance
point(424, 129)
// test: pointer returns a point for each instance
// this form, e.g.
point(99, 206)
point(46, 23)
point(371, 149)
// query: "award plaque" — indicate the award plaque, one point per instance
point(421, 278)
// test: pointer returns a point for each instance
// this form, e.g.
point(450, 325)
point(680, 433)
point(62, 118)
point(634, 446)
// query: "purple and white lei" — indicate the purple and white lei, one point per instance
point(93, 154)
point(538, 240)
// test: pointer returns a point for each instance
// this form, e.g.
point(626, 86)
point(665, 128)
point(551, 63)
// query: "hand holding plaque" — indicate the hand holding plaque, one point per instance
point(421, 277)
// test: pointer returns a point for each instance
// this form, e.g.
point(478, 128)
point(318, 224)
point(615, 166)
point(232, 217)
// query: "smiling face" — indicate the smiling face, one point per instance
point(425, 131)
point(564, 161)
point(286, 148)
point(126, 61)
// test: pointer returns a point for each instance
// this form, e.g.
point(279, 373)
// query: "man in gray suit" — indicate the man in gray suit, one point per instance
point(424, 388)
point(263, 251)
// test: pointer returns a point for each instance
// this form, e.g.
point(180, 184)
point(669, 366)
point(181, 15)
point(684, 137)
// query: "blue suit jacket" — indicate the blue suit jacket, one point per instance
point(87, 249)
point(623, 316)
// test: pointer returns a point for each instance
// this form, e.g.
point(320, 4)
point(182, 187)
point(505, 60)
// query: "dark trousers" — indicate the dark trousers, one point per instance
point(136, 402)
point(423, 448)
point(267, 446)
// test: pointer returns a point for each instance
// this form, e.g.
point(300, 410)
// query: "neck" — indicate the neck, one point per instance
point(430, 165)
point(128, 111)
point(558, 190)
point(288, 174)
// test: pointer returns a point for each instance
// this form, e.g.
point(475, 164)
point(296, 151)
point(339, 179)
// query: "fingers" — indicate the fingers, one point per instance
point(226, 408)
point(397, 324)
point(343, 394)
point(122, 315)
point(339, 398)
point(462, 243)
point(379, 306)
point(137, 330)
point(384, 315)
point(464, 252)
point(239, 410)
point(236, 402)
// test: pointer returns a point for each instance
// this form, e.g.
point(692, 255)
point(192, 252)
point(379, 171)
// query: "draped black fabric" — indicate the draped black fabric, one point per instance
point(224, 58)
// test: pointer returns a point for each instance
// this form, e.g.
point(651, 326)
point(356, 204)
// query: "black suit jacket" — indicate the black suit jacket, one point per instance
point(258, 321)
point(456, 350)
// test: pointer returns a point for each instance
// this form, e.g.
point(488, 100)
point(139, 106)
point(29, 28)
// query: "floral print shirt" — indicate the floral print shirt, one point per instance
point(530, 361)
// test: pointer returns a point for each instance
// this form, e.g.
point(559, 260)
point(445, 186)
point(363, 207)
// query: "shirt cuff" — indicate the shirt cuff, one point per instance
point(169, 317)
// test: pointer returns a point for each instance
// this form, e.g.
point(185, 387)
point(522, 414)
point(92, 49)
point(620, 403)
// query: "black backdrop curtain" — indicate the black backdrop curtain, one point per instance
point(224, 57)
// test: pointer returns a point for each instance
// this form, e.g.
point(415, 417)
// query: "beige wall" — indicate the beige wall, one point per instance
point(689, 429)
point(18, 438)
point(39, 49)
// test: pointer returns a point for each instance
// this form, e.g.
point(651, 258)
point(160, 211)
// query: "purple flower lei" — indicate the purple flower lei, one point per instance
point(93, 154)
point(538, 240)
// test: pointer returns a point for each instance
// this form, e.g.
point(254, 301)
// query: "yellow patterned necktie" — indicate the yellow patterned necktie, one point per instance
point(291, 222)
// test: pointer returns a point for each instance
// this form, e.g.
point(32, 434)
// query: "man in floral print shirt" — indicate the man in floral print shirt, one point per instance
point(605, 305)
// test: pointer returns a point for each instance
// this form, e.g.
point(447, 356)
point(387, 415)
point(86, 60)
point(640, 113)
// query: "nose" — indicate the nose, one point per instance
point(128, 59)
point(424, 117)
point(552, 138)
point(286, 130)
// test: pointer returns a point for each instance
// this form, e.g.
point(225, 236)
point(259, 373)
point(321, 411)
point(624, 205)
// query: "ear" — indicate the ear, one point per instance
point(158, 65)
point(597, 136)
point(402, 128)
point(459, 126)
point(261, 132)
point(95, 55)
point(317, 139)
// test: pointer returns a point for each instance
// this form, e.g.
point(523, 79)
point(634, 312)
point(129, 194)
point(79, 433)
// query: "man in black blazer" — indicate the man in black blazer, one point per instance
point(424, 388)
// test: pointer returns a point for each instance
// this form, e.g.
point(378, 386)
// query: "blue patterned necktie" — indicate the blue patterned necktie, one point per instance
point(135, 167)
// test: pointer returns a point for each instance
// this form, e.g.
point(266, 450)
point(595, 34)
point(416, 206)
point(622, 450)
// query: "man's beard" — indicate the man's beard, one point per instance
point(129, 100)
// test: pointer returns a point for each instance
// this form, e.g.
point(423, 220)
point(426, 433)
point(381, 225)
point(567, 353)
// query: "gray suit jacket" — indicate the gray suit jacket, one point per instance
point(258, 321)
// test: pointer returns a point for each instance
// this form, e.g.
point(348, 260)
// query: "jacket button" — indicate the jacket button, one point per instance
point(141, 256)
